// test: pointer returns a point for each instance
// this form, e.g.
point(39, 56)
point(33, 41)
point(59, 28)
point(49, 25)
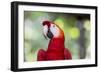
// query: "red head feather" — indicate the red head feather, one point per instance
point(47, 23)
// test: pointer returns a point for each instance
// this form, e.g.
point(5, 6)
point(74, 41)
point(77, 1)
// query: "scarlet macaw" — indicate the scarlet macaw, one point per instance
point(56, 49)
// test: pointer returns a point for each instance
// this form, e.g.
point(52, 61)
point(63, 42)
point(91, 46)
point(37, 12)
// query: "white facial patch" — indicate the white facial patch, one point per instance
point(55, 30)
point(45, 29)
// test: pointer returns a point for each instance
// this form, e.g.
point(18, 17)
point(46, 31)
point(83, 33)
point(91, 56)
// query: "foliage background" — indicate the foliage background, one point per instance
point(75, 26)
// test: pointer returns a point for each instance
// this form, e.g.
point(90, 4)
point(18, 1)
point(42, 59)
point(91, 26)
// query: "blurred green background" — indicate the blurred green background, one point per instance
point(75, 26)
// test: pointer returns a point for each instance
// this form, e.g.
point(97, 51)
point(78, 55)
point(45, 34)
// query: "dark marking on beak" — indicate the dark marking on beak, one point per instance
point(49, 34)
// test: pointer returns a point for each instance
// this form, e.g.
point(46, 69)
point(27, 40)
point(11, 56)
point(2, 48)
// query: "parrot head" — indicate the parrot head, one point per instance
point(51, 30)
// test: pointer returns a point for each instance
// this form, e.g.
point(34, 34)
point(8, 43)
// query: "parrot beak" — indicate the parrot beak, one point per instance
point(49, 34)
point(46, 30)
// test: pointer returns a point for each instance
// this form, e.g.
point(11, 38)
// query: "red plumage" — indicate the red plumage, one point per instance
point(56, 49)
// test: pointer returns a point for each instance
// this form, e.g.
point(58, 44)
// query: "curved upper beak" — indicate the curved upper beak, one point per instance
point(45, 29)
